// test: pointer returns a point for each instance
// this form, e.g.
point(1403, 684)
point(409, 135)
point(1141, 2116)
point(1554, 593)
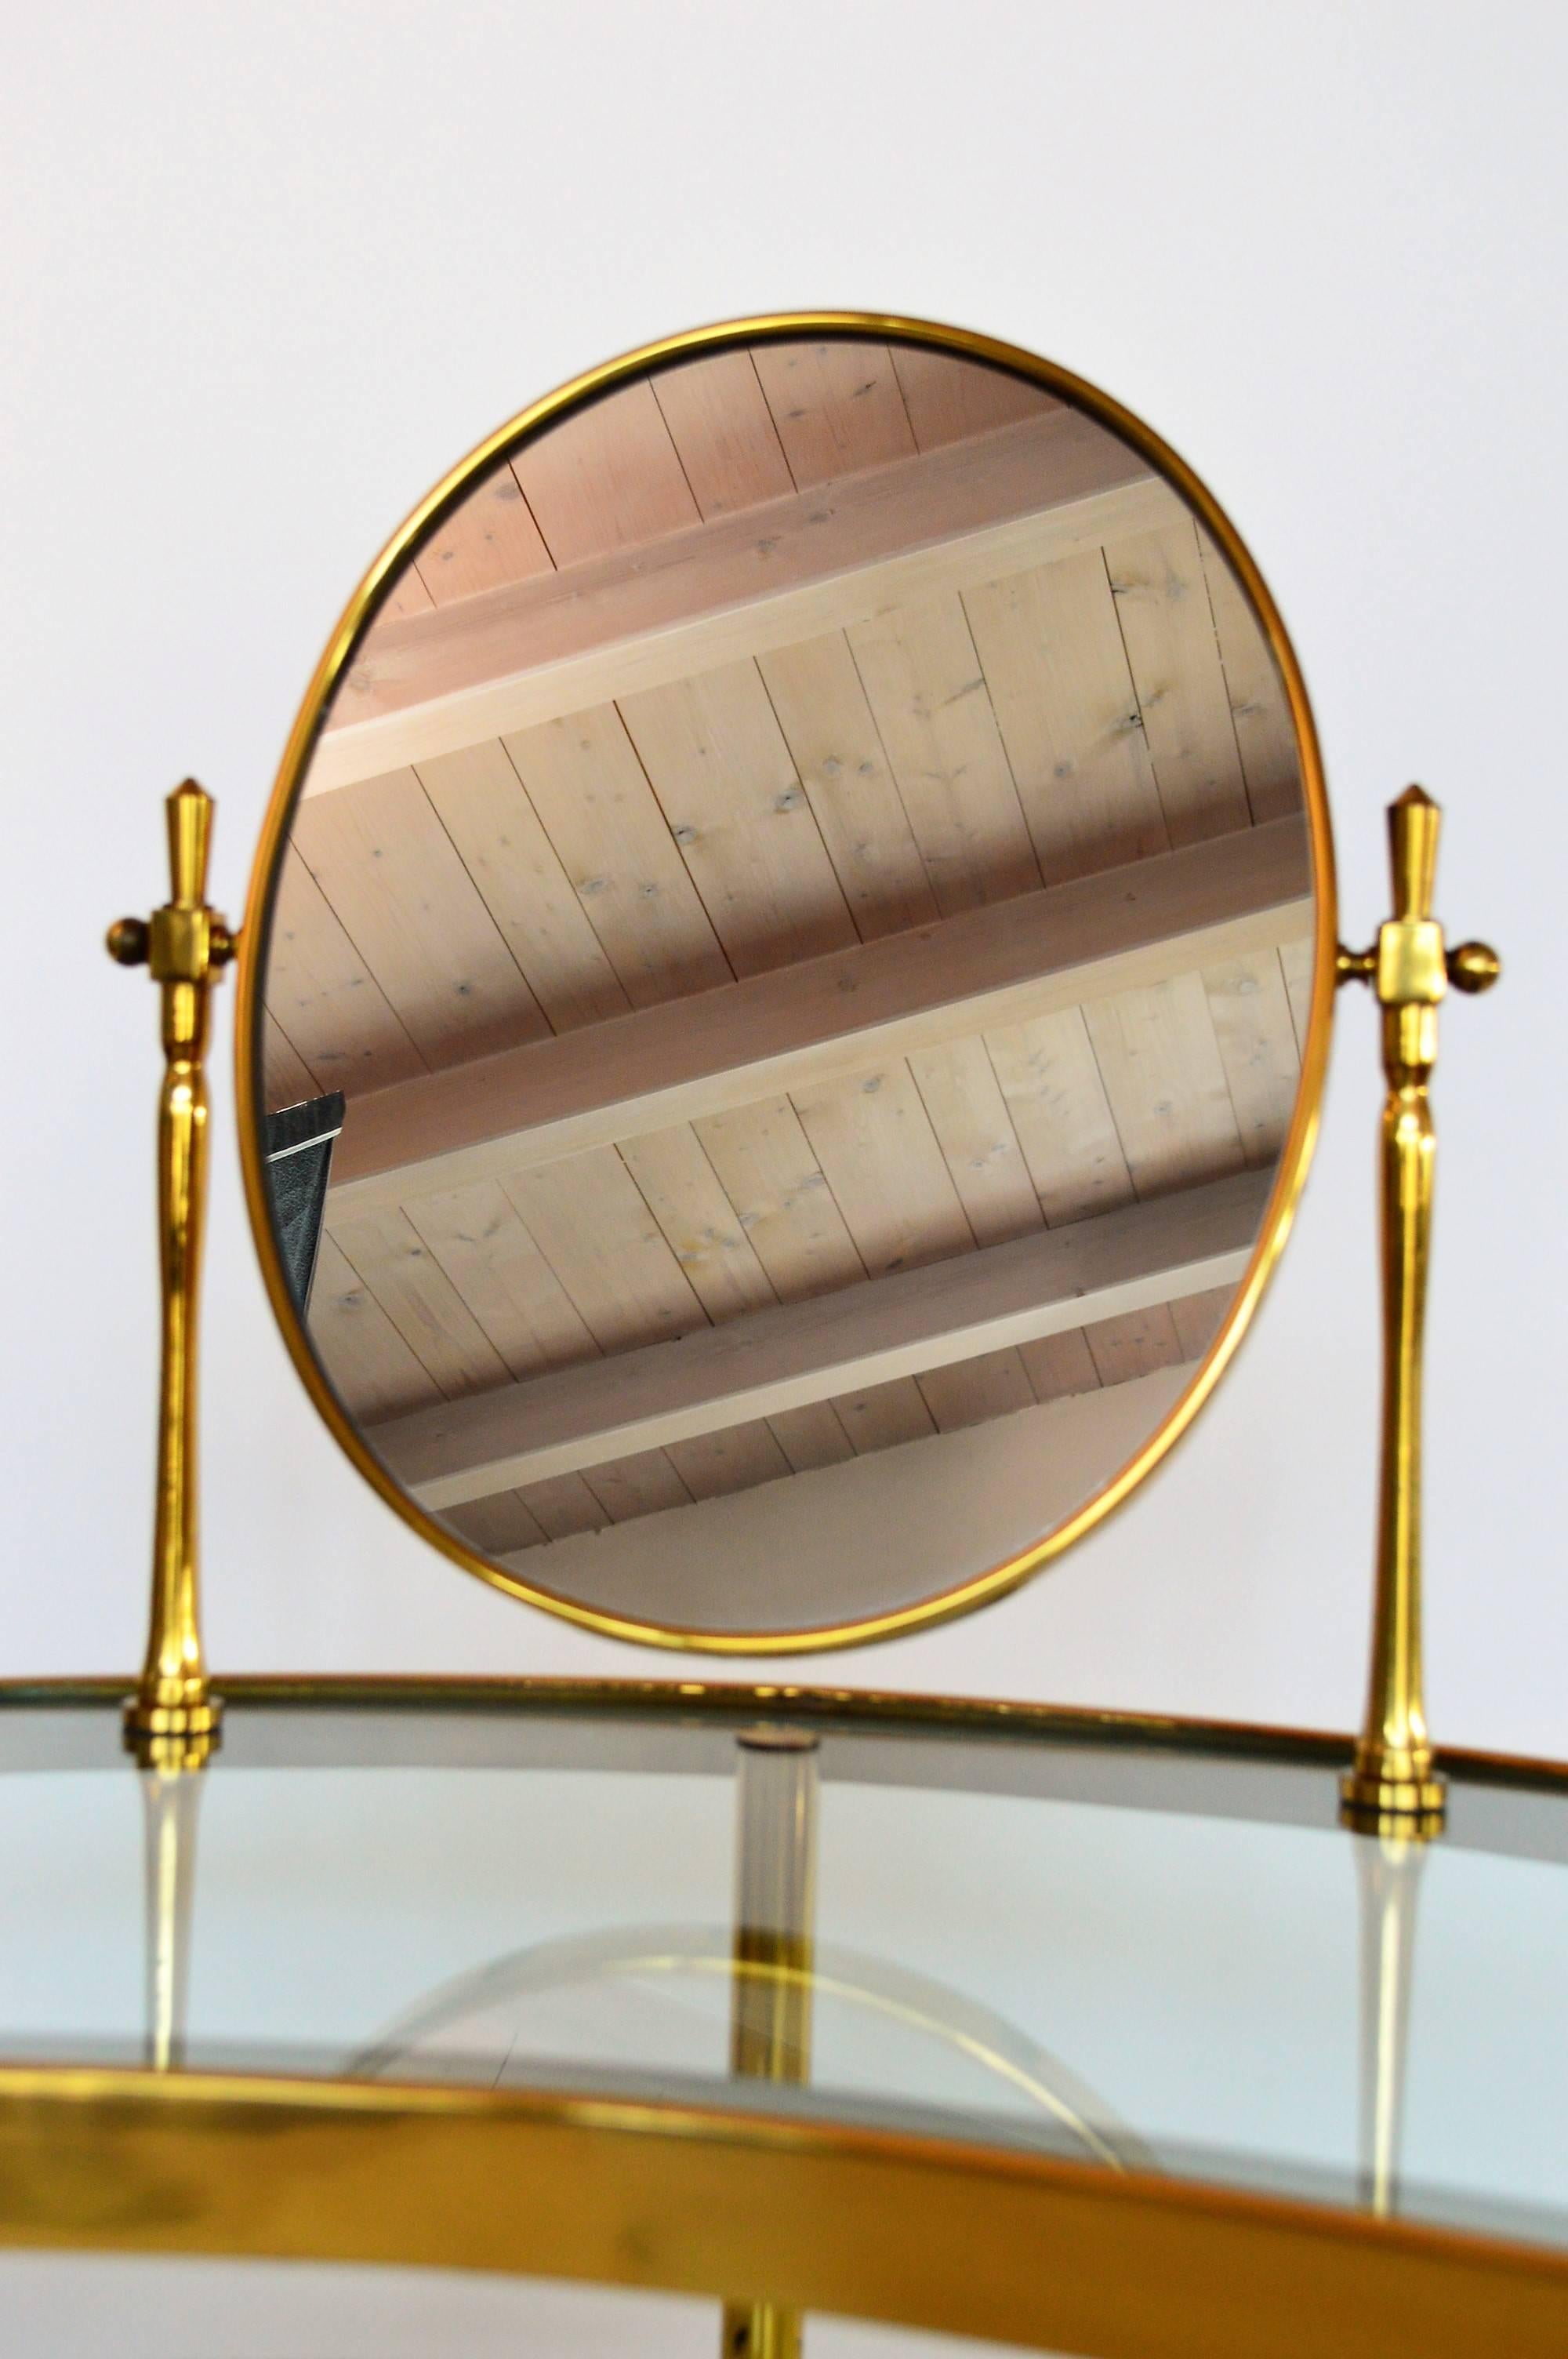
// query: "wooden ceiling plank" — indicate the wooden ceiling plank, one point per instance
point(593, 798)
point(286, 1079)
point(811, 1435)
point(605, 478)
point(767, 577)
point(836, 406)
point(723, 431)
point(1166, 1084)
point(1296, 960)
point(491, 539)
point(372, 1369)
point(763, 1161)
point(481, 1243)
point(879, 1416)
point(918, 1319)
point(482, 804)
point(1197, 1317)
point(495, 1524)
point(1052, 652)
point(1134, 1344)
point(394, 1264)
point(736, 1459)
point(563, 1506)
point(928, 698)
point(947, 400)
point(324, 997)
point(879, 1154)
point(1167, 626)
point(389, 869)
point(716, 758)
point(407, 594)
point(1259, 709)
point(964, 1103)
point(971, 1392)
point(681, 1189)
point(643, 1484)
point(1055, 1097)
point(1060, 1366)
point(1252, 1025)
point(837, 754)
point(598, 1235)
point(985, 969)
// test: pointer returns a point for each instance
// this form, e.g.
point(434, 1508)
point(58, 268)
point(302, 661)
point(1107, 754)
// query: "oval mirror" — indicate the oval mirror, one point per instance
point(785, 995)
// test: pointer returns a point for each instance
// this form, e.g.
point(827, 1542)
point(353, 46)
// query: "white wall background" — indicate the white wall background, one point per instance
point(269, 269)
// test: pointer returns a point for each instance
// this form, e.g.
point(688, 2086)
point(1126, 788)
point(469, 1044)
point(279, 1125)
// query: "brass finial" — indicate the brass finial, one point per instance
point(172, 1722)
point(1393, 1788)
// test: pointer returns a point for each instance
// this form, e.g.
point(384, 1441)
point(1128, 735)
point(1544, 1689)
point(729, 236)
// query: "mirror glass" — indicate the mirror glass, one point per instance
point(783, 990)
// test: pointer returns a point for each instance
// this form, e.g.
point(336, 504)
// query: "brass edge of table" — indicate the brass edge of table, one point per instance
point(723, 1700)
point(916, 2231)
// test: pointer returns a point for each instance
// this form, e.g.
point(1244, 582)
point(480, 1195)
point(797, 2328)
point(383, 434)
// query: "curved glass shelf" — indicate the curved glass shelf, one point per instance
point(1148, 1947)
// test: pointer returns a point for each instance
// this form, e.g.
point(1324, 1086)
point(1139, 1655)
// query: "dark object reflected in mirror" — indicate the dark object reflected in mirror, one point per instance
point(297, 1141)
point(808, 883)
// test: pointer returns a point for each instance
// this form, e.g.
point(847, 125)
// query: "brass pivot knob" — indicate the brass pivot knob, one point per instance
point(127, 941)
point(1474, 967)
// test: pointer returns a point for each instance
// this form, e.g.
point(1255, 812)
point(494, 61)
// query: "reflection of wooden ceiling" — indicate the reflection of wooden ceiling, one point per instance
point(840, 689)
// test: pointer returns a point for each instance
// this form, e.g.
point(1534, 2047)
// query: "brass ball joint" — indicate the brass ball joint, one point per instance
point(1393, 1788)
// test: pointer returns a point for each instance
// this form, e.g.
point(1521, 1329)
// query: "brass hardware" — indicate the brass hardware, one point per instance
point(1393, 1788)
point(172, 1722)
point(1474, 967)
point(775, 1906)
point(931, 2234)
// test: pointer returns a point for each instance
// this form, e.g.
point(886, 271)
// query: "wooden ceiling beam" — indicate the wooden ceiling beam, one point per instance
point(765, 578)
point(798, 1353)
point(688, 1058)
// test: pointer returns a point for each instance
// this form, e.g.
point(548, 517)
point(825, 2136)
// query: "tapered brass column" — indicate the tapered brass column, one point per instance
point(172, 1722)
point(775, 1908)
point(1393, 1786)
point(1387, 1869)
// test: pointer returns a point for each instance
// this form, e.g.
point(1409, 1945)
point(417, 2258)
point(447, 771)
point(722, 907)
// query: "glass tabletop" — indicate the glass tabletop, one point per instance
point(1147, 1947)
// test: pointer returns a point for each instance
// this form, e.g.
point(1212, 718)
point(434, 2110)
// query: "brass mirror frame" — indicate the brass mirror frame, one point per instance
point(997, 1580)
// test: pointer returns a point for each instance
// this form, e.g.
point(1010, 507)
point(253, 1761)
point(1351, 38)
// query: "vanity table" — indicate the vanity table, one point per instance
point(782, 1018)
point(1026, 2095)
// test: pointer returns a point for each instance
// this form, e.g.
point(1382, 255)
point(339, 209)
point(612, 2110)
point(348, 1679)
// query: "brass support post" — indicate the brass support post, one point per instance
point(1388, 1871)
point(1392, 1787)
point(775, 1903)
point(172, 1722)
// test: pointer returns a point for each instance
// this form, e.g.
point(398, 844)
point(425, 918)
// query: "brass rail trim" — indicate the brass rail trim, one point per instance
point(719, 1701)
point(929, 2232)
